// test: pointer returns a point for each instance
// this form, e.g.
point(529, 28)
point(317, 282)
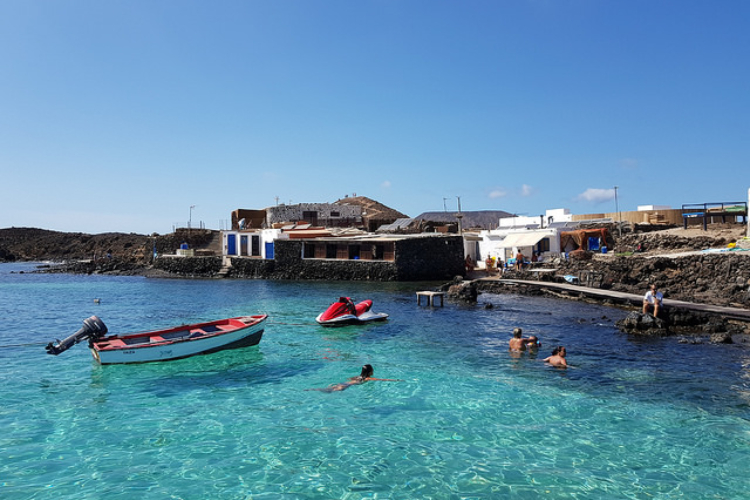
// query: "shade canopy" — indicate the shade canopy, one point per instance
point(523, 239)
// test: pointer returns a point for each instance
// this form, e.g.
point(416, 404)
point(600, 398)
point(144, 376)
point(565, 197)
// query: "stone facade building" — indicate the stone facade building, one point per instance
point(322, 214)
point(425, 257)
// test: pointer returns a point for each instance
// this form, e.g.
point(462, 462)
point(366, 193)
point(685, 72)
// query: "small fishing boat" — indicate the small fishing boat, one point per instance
point(345, 312)
point(163, 345)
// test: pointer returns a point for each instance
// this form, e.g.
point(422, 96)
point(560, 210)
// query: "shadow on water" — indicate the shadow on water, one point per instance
point(226, 370)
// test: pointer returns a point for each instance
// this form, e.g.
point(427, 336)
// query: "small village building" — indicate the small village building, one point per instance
point(249, 243)
point(425, 256)
point(555, 216)
point(317, 214)
point(530, 236)
point(243, 219)
point(504, 245)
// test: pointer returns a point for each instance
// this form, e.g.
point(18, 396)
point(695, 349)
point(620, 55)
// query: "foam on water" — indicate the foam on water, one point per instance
point(629, 419)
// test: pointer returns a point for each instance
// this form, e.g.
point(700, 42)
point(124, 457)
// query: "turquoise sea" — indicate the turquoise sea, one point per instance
point(631, 419)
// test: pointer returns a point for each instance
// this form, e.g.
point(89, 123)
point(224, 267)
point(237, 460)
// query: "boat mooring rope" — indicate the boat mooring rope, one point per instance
point(23, 345)
point(290, 324)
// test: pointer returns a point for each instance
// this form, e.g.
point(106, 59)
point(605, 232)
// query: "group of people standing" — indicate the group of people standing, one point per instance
point(519, 343)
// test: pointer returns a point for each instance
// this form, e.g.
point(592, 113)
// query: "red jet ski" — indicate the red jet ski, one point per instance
point(345, 312)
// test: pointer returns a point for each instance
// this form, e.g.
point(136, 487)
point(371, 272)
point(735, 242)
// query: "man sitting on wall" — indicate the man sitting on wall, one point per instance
point(653, 298)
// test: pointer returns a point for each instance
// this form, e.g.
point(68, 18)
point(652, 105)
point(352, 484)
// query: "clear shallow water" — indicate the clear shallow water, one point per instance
point(630, 419)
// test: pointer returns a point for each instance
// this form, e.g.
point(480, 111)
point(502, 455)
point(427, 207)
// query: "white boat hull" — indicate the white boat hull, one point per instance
point(152, 349)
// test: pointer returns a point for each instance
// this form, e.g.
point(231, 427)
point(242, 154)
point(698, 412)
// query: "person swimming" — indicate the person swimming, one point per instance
point(558, 357)
point(517, 342)
point(532, 343)
point(366, 375)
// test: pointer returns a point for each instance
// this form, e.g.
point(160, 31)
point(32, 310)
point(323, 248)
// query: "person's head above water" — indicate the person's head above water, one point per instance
point(367, 371)
point(533, 340)
point(559, 350)
point(517, 332)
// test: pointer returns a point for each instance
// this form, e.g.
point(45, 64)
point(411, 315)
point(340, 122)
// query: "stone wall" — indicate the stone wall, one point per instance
point(252, 268)
point(293, 213)
point(721, 279)
point(417, 259)
point(189, 267)
point(290, 265)
point(430, 258)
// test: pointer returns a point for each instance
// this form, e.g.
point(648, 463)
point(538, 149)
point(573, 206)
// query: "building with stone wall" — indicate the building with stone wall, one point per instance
point(317, 214)
point(425, 257)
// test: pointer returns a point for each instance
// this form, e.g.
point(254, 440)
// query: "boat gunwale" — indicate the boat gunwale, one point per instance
point(257, 320)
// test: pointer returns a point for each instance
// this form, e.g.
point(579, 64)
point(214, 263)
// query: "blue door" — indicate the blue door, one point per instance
point(231, 244)
point(269, 250)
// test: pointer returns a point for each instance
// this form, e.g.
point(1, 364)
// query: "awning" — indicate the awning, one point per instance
point(522, 239)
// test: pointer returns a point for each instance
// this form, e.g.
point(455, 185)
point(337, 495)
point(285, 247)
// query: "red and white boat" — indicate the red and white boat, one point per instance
point(163, 345)
point(345, 312)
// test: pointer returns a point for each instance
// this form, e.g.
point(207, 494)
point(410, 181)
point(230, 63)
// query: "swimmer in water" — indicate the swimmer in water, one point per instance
point(558, 357)
point(517, 343)
point(532, 343)
point(366, 375)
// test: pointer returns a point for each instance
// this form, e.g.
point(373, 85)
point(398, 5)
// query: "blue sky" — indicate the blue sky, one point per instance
point(121, 115)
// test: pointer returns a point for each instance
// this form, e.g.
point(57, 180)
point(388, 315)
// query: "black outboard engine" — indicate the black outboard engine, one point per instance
point(93, 328)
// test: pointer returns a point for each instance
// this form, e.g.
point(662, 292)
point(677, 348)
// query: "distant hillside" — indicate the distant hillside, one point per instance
point(374, 209)
point(485, 219)
point(31, 244)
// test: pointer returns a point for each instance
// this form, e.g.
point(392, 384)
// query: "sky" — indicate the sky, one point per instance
point(142, 116)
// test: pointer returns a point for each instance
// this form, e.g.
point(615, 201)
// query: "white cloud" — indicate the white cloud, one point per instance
point(526, 190)
point(385, 184)
point(498, 193)
point(594, 195)
point(629, 164)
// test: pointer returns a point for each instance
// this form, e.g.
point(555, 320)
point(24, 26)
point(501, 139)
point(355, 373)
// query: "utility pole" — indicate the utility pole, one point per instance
point(619, 219)
point(459, 216)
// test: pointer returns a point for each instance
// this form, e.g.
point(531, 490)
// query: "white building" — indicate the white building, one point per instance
point(257, 243)
point(538, 235)
point(550, 217)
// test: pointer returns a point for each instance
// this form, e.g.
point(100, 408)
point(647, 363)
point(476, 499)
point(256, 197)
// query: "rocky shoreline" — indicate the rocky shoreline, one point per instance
point(677, 260)
point(672, 258)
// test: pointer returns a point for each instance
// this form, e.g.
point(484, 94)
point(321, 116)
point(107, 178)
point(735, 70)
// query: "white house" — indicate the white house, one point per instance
point(553, 216)
point(538, 235)
point(249, 243)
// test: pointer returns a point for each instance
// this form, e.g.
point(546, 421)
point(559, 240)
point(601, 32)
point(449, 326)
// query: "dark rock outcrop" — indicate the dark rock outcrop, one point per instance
point(677, 322)
point(464, 291)
point(720, 279)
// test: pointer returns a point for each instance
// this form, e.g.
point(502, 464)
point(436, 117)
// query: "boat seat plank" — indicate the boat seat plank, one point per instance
point(176, 335)
point(114, 343)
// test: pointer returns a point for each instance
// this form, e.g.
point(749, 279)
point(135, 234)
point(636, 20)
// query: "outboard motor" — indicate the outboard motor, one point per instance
point(93, 328)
